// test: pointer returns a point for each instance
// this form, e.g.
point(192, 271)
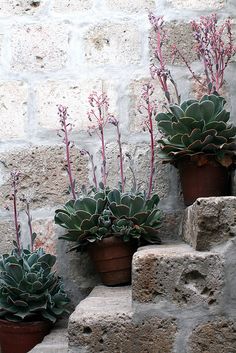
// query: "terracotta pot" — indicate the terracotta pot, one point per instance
point(112, 259)
point(210, 179)
point(23, 336)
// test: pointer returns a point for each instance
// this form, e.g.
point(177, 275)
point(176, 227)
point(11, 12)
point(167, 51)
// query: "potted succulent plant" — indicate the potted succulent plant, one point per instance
point(32, 296)
point(109, 223)
point(196, 135)
point(199, 141)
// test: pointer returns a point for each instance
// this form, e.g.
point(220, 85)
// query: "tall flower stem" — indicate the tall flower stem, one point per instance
point(115, 122)
point(65, 128)
point(99, 117)
point(30, 225)
point(15, 179)
point(149, 107)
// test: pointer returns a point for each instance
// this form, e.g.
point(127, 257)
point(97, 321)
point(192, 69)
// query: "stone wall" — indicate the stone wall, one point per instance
point(57, 52)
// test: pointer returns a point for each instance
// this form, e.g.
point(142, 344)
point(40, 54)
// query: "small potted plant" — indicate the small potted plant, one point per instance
point(32, 296)
point(199, 141)
point(109, 223)
point(196, 135)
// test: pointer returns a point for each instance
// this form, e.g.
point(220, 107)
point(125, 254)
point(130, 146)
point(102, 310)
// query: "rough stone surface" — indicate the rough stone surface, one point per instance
point(46, 236)
point(44, 175)
point(115, 329)
point(178, 33)
point(210, 221)
point(197, 4)
point(7, 232)
point(55, 342)
point(113, 44)
point(214, 336)
point(73, 94)
point(71, 6)
point(25, 7)
point(178, 274)
point(13, 109)
point(140, 163)
point(39, 47)
point(131, 6)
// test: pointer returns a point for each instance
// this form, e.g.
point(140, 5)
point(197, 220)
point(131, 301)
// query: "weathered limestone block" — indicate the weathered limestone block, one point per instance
point(210, 221)
point(131, 6)
point(13, 109)
point(178, 33)
point(74, 95)
point(177, 274)
point(113, 44)
point(140, 155)
point(15, 7)
point(44, 175)
point(39, 47)
point(197, 4)
point(104, 322)
point(214, 336)
point(7, 235)
point(71, 6)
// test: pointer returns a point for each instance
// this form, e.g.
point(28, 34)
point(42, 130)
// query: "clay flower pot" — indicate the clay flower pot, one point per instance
point(210, 179)
point(23, 336)
point(112, 258)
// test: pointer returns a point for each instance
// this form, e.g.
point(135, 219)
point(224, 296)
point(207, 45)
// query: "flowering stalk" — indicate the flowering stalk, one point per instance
point(149, 107)
point(214, 47)
point(65, 130)
point(99, 116)
point(115, 122)
point(26, 200)
point(94, 167)
point(161, 72)
point(14, 182)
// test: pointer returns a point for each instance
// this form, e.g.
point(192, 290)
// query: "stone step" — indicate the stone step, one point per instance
point(177, 274)
point(105, 322)
point(55, 342)
point(209, 222)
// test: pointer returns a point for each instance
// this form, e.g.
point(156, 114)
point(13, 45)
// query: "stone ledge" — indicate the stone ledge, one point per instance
point(104, 322)
point(55, 342)
point(209, 221)
point(176, 273)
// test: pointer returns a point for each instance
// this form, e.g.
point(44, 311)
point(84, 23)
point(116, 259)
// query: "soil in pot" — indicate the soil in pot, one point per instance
point(210, 179)
point(23, 336)
point(112, 258)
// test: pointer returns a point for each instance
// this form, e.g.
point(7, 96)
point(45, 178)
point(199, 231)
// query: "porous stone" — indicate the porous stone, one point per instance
point(46, 235)
point(44, 175)
point(209, 221)
point(177, 274)
point(39, 47)
point(139, 160)
point(7, 235)
point(113, 44)
point(197, 4)
point(131, 6)
point(214, 336)
point(179, 34)
point(71, 6)
point(16, 7)
point(13, 109)
point(73, 94)
point(93, 329)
